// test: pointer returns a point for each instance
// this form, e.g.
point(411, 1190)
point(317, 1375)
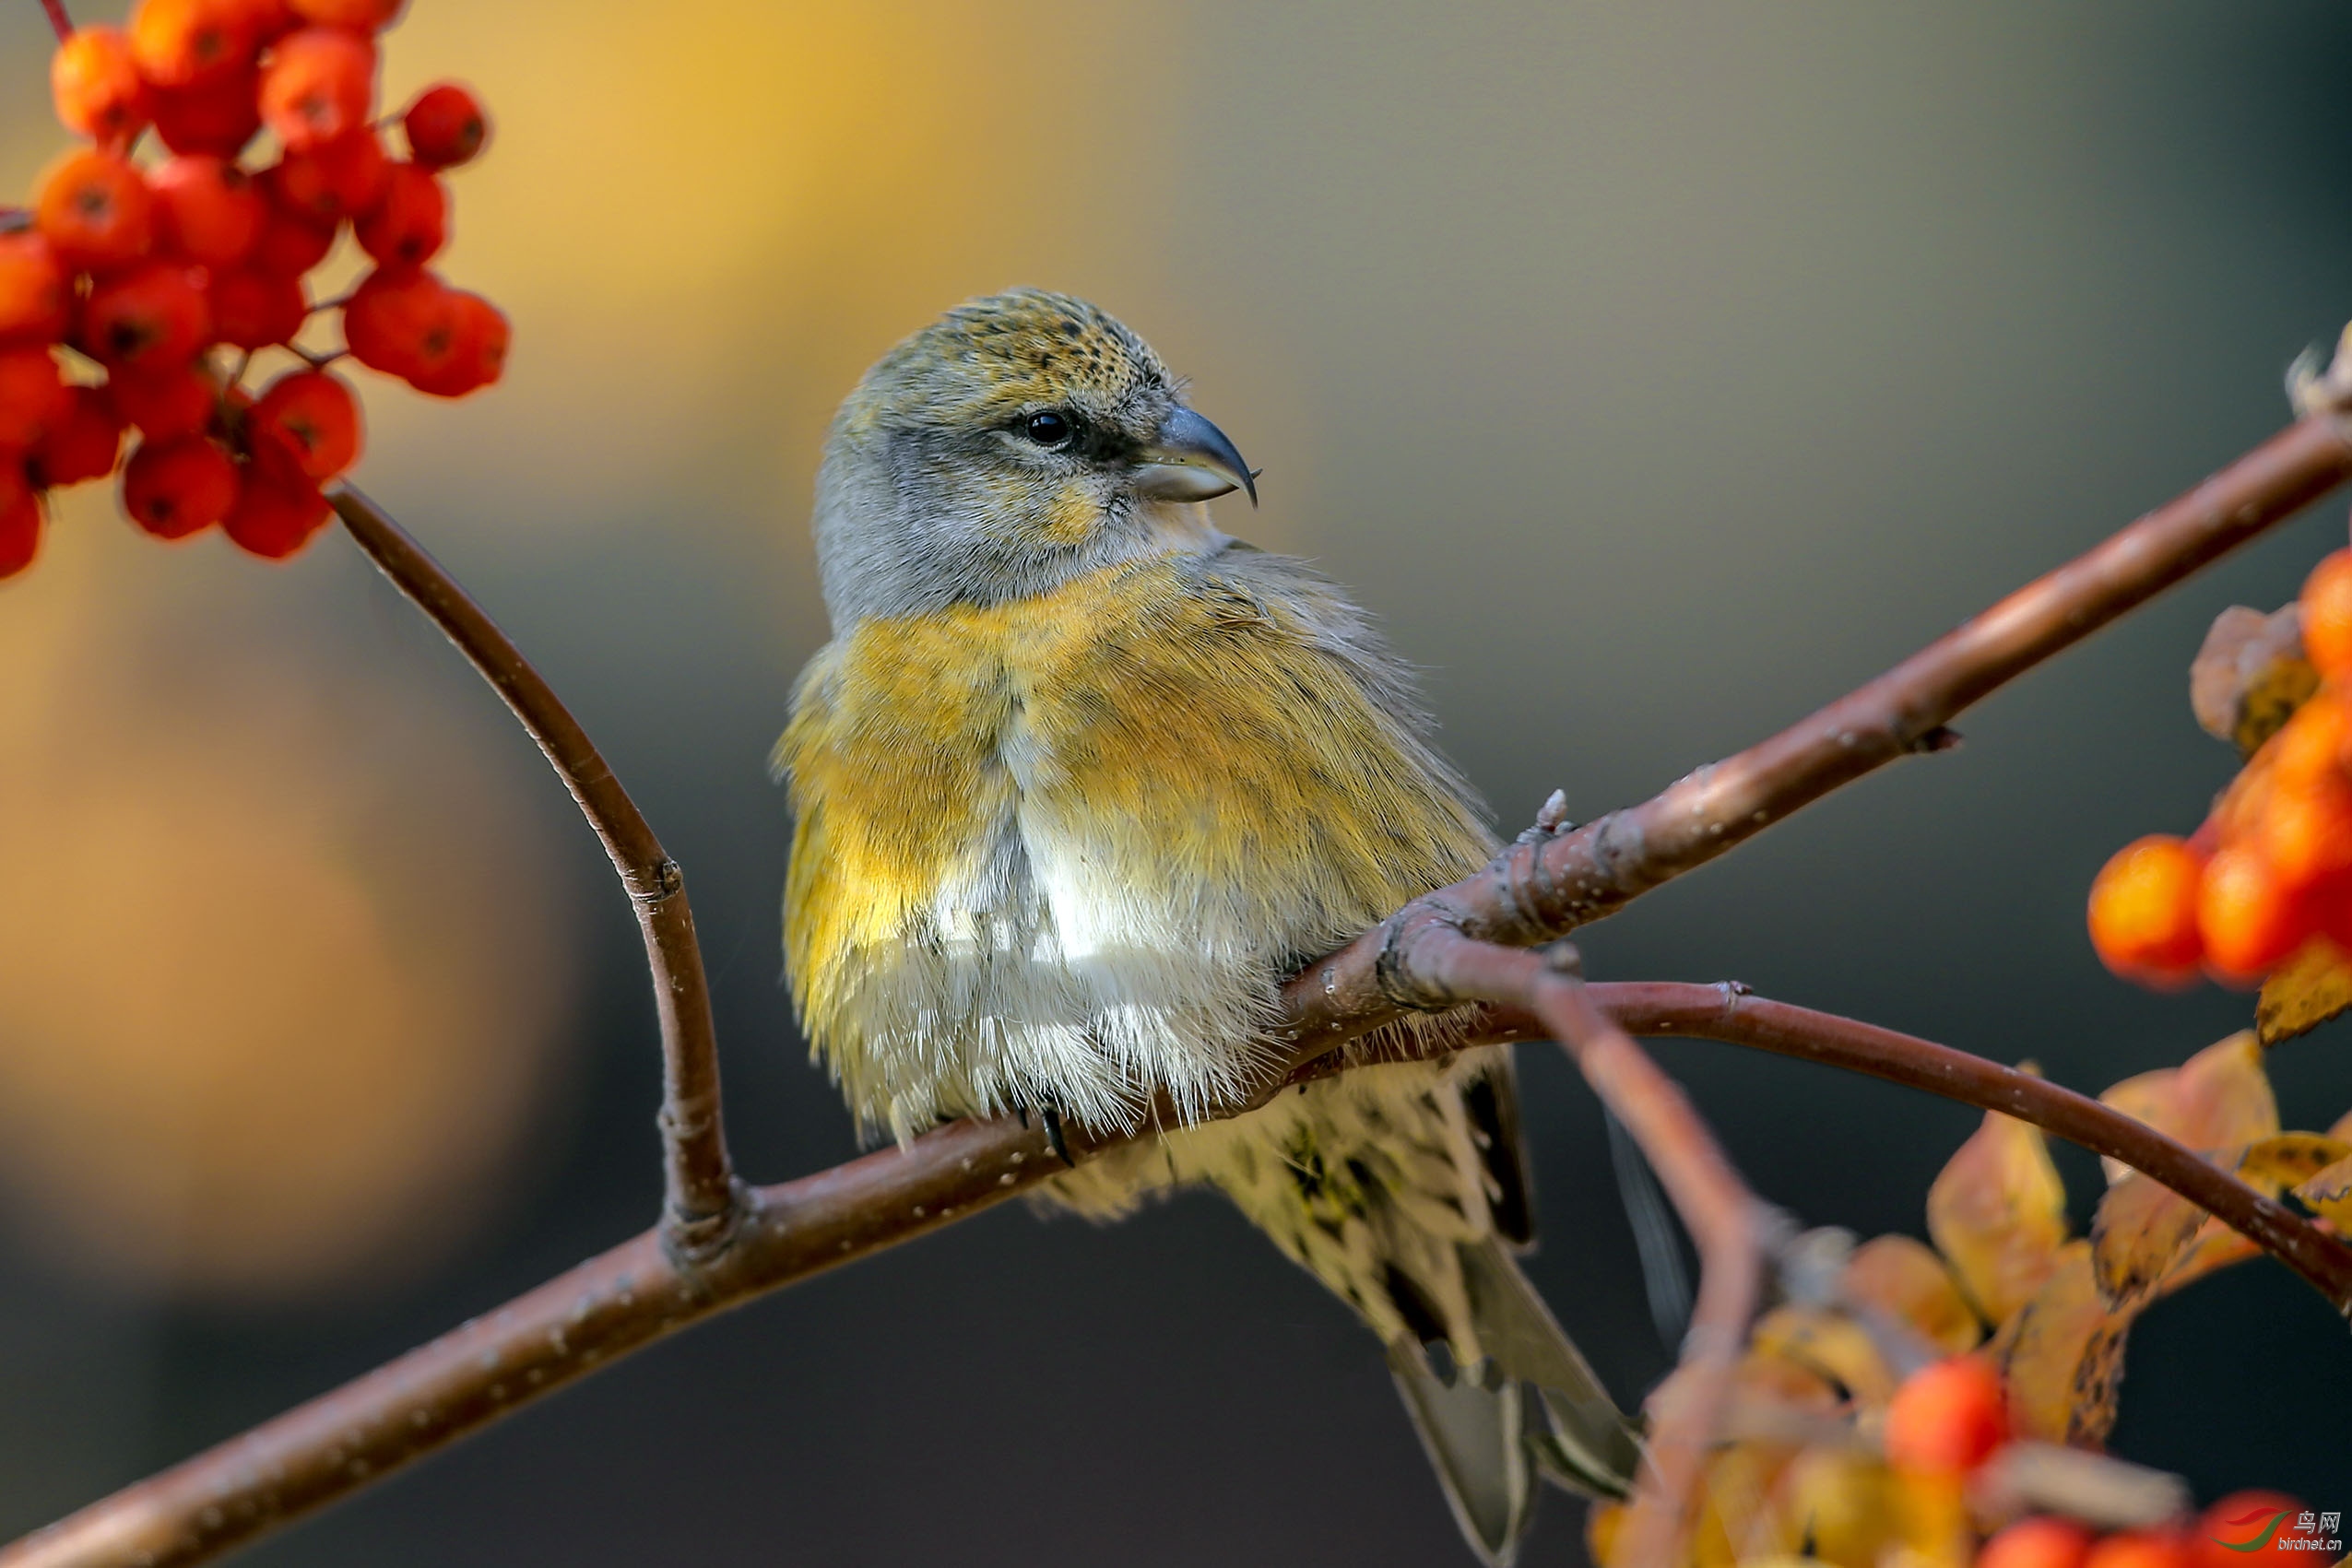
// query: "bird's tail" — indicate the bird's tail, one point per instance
point(1402, 1189)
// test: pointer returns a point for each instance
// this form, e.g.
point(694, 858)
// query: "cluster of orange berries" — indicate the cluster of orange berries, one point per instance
point(1948, 1421)
point(2271, 866)
point(129, 283)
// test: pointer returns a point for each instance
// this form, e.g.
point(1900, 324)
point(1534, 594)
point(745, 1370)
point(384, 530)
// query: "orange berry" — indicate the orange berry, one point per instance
point(84, 445)
point(168, 400)
point(445, 126)
point(289, 244)
point(2248, 916)
point(2327, 615)
point(2255, 1528)
point(314, 417)
point(2142, 1548)
point(178, 42)
point(409, 223)
point(331, 180)
point(19, 520)
point(2305, 829)
point(34, 399)
point(365, 14)
point(265, 20)
point(97, 86)
point(205, 209)
point(152, 316)
point(318, 84)
point(176, 487)
point(253, 309)
point(217, 117)
point(277, 508)
point(2144, 909)
point(1946, 1418)
point(36, 294)
point(95, 210)
point(2042, 1541)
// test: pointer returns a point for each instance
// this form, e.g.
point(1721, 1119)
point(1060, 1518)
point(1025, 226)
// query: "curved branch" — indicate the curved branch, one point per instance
point(635, 1293)
point(702, 1197)
point(1552, 881)
point(638, 1291)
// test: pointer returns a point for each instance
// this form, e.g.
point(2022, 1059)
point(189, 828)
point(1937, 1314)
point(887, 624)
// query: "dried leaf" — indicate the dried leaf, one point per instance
point(1830, 1345)
point(2304, 993)
point(2273, 1164)
point(1906, 1279)
point(2329, 1193)
point(1998, 1214)
point(2140, 1231)
point(2216, 1247)
point(2063, 1356)
point(2250, 674)
point(2218, 1099)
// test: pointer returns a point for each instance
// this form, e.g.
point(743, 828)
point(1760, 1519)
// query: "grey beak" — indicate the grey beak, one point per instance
point(1191, 459)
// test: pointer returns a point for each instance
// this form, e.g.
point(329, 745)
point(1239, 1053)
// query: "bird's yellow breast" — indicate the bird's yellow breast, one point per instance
point(1151, 786)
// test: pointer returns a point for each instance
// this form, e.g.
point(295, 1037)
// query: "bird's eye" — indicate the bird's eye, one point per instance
point(1047, 427)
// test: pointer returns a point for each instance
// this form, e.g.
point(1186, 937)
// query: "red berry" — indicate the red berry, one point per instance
point(318, 85)
point(36, 294)
point(178, 42)
point(205, 209)
point(477, 356)
point(409, 223)
point(97, 86)
point(218, 117)
point(289, 244)
point(151, 316)
point(277, 507)
point(2248, 916)
point(20, 521)
point(265, 20)
point(33, 399)
point(2142, 1548)
point(333, 179)
point(367, 16)
point(314, 417)
point(176, 487)
point(95, 210)
point(2040, 1542)
point(168, 400)
point(84, 445)
point(399, 320)
point(253, 309)
point(446, 126)
point(1946, 1418)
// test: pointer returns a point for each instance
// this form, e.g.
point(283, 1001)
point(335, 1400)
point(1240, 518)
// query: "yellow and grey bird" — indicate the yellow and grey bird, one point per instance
point(1078, 780)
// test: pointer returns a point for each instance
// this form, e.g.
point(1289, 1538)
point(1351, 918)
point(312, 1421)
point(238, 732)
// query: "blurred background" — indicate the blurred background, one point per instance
point(1655, 371)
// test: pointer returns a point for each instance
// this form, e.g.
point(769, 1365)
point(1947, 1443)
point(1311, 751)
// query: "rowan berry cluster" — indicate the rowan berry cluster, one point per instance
point(137, 290)
point(2271, 869)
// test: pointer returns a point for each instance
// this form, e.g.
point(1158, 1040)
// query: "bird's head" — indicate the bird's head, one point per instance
point(1014, 444)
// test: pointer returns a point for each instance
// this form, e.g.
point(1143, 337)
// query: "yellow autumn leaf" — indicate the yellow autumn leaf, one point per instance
point(2139, 1233)
point(2218, 1099)
point(1831, 1345)
point(2303, 993)
point(1840, 1501)
point(1998, 1214)
point(1906, 1281)
point(2250, 674)
point(2329, 1192)
point(2061, 1356)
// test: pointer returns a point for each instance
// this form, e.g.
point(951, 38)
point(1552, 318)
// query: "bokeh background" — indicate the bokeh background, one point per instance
point(1655, 371)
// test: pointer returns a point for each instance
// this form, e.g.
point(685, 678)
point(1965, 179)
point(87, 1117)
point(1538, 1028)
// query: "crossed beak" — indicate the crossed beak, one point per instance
point(1189, 459)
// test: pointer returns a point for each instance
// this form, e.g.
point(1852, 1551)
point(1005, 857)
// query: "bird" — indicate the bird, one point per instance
point(1076, 781)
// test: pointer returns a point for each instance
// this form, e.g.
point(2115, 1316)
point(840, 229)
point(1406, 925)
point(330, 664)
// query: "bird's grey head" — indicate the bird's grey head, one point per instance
point(1016, 442)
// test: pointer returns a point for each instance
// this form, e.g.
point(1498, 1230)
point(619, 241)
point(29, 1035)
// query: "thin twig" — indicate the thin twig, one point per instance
point(61, 23)
point(1555, 882)
point(702, 1197)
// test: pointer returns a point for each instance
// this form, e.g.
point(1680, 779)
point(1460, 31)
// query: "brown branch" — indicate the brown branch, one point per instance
point(1551, 883)
point(702, 1199)
point(1725, 1220)
point(61, 23)
point(636, 1292)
